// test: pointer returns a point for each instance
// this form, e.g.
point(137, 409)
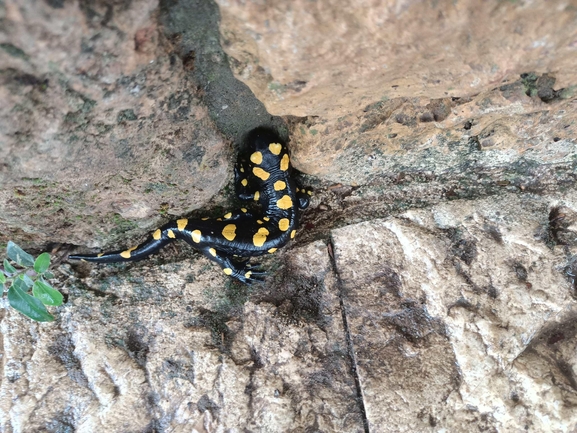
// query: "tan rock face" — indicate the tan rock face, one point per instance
point(101, 130)
point(454, 317)
point(329, 58)
point(390, 87)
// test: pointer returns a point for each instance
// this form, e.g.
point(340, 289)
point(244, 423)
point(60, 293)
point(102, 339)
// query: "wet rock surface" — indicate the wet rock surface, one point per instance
point(432, 284)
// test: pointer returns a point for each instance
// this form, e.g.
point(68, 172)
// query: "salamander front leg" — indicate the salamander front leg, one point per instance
point(241, 270)
point(304, 197)
point(244, 188)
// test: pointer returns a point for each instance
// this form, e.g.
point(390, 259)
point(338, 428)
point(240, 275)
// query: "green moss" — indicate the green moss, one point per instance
point(126, 116)
point(122, 224)
point(14, 51)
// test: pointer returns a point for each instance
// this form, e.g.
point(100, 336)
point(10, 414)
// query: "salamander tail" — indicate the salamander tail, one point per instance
point(129, 255)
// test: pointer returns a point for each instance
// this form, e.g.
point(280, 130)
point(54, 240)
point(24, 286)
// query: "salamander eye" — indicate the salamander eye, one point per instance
point(304, 202)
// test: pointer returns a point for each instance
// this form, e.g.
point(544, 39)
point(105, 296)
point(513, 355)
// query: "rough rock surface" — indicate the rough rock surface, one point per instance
point(433, 284)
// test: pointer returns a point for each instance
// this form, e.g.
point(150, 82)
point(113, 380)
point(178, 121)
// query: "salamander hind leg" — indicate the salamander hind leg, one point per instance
point(241, 270)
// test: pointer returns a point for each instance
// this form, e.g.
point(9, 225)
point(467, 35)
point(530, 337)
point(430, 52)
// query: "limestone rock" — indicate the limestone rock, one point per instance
point(102, 131)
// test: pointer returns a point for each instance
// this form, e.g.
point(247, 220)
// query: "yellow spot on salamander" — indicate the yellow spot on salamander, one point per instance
point(285, 202)
point(229, 232)
point(243, 209)
point(260, 222)
point(157, 234)
point(126, 254)
point(181, 224)
point(242, 169)
point(204, 218)
point(275, 148)
point(309, 192)
point(256, 157)
point(171, 234)
point(259, 237)
point(196, 236)
point(227, 271)
point(293, 233)
point(266, 218)
point(100, 255)
point(283, 224)
point(212, 252)
point(256, 195)
point(248, 274)
point(244, 182)
point(284, 162)
point(272, 250)
point(227, 215)
point(260, 173)
point(279, 185)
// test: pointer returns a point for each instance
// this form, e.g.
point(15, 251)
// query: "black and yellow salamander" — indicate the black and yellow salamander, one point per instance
point(263, 175)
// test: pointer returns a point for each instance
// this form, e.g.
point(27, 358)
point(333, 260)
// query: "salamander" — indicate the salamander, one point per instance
point(263, 176)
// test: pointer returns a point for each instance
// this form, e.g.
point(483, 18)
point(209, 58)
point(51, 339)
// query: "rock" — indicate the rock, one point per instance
point(102, 130)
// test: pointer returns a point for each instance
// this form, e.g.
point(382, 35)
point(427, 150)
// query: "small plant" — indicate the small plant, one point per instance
point(22, 274)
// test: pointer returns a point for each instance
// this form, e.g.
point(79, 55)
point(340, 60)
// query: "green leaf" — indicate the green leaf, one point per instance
point(20, 284)
point(27, 280)
point(8, 267)
point(42, 263)
point(47, 294)
point(28, 305)
point(2, 278)
point(14, 252)
point(48, 275)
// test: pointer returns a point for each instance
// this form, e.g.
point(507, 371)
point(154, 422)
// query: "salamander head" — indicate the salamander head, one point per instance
point(259, 139)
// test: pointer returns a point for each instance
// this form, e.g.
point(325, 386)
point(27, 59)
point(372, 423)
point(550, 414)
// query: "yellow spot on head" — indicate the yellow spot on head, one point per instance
point(260, 237)
point(171, 234)
point(279, 185)
point(260, 173)
point(285, 202)
point(284, 162)
point(227, 271)
point(181, 224)
point(244, 182)
point(212, 251)
point(272, 250)
point(275, 148)
point(248, 274)
point(266, 218)
point(293, 233)
point(283, 224)
point(229, 232)
point(126, 254)
point(256, 195)
point(157, 234)
point(196, 236)
point(227, 215)
point(256, 157)
point(243, 209)
point(309, 192)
